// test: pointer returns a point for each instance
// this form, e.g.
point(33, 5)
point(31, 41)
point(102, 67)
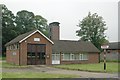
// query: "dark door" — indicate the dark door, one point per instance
point(36, 54)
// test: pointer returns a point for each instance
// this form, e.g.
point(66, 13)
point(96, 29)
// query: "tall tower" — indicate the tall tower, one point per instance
point(54, 31)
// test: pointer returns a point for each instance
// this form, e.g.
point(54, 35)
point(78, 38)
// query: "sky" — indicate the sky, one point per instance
point(69, 12)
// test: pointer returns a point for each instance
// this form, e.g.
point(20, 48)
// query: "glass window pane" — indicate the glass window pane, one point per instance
point(85, 57)
point(80, 57)
point(72, 57)
point(66, 56)
point(57, 57)
point(76, 56)
point(53, 56)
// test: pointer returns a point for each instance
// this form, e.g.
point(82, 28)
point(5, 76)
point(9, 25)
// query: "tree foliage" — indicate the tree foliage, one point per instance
point(41, 24)
point(24, 21)
point(27, 21)
point(92, 29)
point(8, 27)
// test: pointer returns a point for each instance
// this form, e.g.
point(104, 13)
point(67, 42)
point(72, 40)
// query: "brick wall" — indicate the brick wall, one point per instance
point(23, 49)
point(55, 33)
point(10, 58)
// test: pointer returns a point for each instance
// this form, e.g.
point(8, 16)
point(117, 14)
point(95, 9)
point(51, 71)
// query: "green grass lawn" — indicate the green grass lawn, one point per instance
point(7, 65)
point(35, 75)
point(99, 67)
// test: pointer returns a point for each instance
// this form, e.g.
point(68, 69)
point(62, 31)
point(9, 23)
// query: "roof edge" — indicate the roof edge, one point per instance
point(34, 33)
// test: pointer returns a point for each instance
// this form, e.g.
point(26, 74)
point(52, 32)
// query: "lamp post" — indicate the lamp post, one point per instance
point(105, 46)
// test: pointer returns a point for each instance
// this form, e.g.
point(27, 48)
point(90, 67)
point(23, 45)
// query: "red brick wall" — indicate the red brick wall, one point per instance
point(23, 49)
point(92, 58)
point(55, 33)
point(14, 59)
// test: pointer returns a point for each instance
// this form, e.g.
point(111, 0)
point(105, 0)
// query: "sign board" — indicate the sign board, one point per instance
point(36, 39)
point(14, 53)
point(105, 46)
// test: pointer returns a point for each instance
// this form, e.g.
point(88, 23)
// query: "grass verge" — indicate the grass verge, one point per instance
point(36, 75)
point(111, 67)
point(7, 65)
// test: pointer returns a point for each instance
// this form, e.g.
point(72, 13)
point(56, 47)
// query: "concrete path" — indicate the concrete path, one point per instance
point(83, 74)
point(51, 70)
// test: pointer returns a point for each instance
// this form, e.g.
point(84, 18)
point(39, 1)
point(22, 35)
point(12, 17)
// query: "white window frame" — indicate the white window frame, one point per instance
point(55, 55)
point(81, 56)
point(71, 54)
point(64, 57)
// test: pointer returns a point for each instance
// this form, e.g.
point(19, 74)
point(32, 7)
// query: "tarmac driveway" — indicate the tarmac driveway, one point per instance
point(46, 69)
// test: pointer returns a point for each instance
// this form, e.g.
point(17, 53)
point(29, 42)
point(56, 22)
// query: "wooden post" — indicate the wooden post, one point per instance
point(104, 60)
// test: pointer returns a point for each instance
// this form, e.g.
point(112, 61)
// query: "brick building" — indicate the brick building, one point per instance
point(34, 48)
point(113, 52)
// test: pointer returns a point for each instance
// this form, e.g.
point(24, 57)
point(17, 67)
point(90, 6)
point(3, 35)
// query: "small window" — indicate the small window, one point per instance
point(7, 47)
point(72, 57)
point(17, 46)
point(66, 56)
point(76, 56)
point(83, 56)
point(55, 56)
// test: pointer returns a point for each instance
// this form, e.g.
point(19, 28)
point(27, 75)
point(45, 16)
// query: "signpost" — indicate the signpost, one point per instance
point(105, 46)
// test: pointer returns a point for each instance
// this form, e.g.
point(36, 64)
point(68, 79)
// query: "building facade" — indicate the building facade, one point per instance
point(113, 52)
point(34, 48)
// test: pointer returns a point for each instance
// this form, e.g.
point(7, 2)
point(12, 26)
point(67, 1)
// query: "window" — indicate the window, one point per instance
point(14, 46)
point(72, 56)
point(17, 46)
point(83, 56)
point(76, 56)
point(55, 56)
point(10, 47)
point(66, 56)
point(80, 56)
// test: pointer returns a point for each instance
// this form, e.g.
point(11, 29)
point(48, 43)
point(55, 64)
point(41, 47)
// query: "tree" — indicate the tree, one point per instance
point(92, 29)
point(24, 21)
point(8, 27)
point(27, 21)
point(41, 24)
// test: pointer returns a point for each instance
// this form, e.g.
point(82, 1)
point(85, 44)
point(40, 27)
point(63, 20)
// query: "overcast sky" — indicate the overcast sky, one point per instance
point(69, 13)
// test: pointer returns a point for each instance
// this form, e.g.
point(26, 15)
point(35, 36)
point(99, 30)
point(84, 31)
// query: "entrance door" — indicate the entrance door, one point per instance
point(41, 58)
point(36, 54)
